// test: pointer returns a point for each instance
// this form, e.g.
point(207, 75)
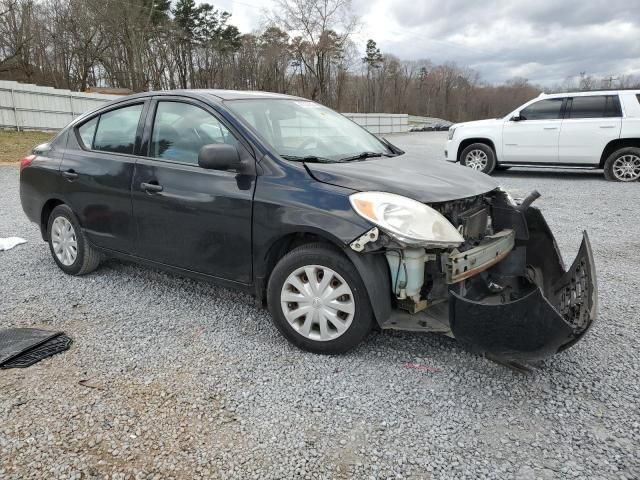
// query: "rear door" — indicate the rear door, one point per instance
point(590, 123)
point(98, 168)
point(534, 138)
point(187, 216)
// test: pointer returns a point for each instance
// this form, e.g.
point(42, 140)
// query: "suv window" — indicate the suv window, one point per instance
point(117, 130)
point(180, 130)
point(613, 108)
point(597, 106)
point(548, 109)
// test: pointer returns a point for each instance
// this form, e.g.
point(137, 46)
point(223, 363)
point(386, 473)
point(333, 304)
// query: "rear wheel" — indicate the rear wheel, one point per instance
point(623, 165)
point(68, 244)
point(479, 156)
point(318, 301)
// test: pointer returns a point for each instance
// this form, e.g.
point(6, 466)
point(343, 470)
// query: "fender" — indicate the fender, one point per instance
point(374, 272)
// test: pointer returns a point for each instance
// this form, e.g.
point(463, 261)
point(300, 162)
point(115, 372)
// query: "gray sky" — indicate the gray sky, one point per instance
point(545, 41)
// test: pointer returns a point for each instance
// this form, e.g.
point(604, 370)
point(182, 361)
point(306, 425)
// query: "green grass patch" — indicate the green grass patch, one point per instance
point(15, 145)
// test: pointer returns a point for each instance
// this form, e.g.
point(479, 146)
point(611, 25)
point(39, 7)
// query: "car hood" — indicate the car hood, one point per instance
point(414, 176)
point(480, 123)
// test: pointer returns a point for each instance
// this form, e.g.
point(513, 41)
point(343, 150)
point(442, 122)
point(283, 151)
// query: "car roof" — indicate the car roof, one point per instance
point(588, 93)
point(218, 94)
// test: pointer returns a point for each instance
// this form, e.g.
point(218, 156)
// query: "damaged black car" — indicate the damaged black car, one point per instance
point(336, 231)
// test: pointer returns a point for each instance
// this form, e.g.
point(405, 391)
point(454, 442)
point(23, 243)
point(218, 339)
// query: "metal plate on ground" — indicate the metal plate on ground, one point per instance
point(22, 347)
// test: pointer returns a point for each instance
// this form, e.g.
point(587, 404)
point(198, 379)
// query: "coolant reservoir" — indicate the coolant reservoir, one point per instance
point(410, 274)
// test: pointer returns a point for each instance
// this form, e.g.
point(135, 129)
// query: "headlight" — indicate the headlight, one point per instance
point(410, 222)
point(452, 130)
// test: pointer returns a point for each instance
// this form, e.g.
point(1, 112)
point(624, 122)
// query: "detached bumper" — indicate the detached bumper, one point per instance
point(536, 315)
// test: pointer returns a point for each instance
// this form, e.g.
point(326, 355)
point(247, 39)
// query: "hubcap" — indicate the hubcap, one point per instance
point(63, 239)
point(476, 159)
point(626, 168)
point(318, 303)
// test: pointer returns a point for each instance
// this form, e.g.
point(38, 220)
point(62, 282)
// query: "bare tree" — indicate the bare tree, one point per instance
point(306, 49)
point(322, 29)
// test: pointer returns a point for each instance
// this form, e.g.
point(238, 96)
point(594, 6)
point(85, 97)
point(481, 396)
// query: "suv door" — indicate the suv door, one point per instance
point(589, 124)
point(98, 168)
point(187, 216)
point(535, 136)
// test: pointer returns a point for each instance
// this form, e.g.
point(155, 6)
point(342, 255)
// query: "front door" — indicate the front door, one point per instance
point(534, 138)
point(187, 216)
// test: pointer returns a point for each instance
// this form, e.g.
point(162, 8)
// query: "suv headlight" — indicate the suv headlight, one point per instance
point(407, 220)
point(452, 131)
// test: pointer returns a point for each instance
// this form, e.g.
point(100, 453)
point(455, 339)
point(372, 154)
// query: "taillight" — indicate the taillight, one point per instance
point(26, 161)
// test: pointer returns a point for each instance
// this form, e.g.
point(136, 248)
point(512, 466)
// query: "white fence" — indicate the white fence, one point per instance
point(381, 123)
point(31, 107)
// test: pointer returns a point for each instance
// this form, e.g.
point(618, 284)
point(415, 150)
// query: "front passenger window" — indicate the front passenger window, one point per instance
point(180, 130)
point(548, 109)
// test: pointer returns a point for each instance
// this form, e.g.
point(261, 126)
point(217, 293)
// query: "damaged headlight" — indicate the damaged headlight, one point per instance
point(407, 220)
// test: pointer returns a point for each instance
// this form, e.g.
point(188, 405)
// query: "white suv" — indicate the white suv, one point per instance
point(567, 130)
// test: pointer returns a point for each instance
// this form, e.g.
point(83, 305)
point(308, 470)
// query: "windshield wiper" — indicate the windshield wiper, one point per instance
point(308, 158)
point(362, 156)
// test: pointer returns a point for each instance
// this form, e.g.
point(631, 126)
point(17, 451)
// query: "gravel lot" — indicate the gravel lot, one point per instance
point(172, 378)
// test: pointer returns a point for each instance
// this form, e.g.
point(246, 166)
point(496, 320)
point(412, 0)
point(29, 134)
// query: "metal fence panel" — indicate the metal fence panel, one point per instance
point(32, 107)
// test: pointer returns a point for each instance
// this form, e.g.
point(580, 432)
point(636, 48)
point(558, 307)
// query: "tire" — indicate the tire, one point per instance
point(479, 156)
point(353, 312)
point(614, 167)
point(61, 239)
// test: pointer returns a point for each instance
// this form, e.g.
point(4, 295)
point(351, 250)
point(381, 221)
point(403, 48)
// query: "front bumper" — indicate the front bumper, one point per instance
point(451, 151)
point(538, 314)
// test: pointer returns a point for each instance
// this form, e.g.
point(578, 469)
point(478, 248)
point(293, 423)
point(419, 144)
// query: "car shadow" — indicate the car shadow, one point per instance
point(551, 174)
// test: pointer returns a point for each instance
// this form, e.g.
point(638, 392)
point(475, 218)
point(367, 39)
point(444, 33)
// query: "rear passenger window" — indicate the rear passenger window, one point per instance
point(87, 131)
point(588, 107)
point(117, 130)
point(613, 108)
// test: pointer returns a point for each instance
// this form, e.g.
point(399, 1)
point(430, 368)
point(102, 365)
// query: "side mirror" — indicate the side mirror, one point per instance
point(219, 156)
point(516, 118)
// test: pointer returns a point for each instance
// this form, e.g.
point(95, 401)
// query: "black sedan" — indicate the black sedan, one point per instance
point(335, 230)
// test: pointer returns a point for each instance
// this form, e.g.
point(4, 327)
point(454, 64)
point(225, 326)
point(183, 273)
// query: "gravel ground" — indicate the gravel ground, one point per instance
point(173, 378)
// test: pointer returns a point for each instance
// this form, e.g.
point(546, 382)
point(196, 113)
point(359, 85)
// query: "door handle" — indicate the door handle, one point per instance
point(550, 128)
point(70, 175)
point(607, 126)
point(151, 187)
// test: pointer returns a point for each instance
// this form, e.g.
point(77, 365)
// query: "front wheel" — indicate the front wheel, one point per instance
point(479, 156)
point(68, 244)
point(623, 165)
point(318, 301)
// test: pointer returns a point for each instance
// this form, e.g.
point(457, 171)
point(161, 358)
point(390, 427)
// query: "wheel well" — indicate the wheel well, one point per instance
point(44, 215)
point(465, 143)
point(617, 145)
point(279, 249)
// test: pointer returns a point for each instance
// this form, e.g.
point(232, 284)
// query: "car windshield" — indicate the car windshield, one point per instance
point(306, 131)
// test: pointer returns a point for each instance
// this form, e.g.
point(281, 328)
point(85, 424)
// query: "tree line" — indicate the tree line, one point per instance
point(306, 48)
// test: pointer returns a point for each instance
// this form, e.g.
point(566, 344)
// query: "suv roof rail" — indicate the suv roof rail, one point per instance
point(630, 89)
